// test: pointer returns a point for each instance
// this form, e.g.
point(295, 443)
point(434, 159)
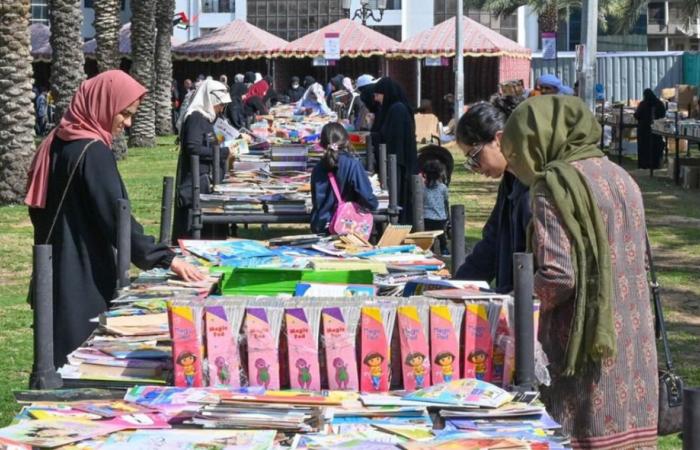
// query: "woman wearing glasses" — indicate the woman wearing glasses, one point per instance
point(479, 133)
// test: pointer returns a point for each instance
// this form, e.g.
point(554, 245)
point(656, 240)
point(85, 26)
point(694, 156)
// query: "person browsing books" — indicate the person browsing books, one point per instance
point(479, 134)
point(198, 138)
point(353, 182)
point(74, 185)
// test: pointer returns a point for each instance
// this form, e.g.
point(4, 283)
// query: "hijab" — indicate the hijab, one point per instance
point(315, 94)
point(209, 94)
point(89, 116)
point(540, 140)
point(347, 84)
point(308, 81)
point(258, 89)
point(393, 93)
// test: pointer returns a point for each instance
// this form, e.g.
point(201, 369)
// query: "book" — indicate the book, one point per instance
point(222, 348)
point(263, 353)
point(444, 344)
point(106, 371)
point(341, 364)
point(134, 320)
point(415, 354)
point(54, 432)
point(374, 351)
point(186, 347)
point(466, 392)
point(302, 351)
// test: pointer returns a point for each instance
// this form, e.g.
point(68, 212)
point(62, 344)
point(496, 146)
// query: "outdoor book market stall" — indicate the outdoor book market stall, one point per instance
point(362, 51)
point(295, 342)
point(237, 47)
point(423, 64)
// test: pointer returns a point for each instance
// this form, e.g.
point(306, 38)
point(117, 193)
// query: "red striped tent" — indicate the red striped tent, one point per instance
point(479, 40)
point(489, 59)
point(234, 41)
point(356, 40)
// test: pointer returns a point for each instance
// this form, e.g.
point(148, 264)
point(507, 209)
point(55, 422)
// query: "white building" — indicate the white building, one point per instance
point(291, 19)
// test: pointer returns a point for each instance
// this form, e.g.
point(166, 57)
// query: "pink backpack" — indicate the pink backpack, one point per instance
point(349, 217)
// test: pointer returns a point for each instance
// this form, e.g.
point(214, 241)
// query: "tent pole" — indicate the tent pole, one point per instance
point(459, 62)
point(418, 81)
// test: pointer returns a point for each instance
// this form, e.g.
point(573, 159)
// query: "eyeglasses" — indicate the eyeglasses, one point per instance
point(472, 162)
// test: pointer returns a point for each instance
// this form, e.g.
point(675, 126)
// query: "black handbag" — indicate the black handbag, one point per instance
point(670, 384)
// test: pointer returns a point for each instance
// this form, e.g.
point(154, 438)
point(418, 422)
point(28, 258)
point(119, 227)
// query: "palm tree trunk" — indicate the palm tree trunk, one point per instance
point(164, 66)
point(107, 34)
point(143, 35)
point(67, 59)
point(549, 18)
point(16, 110)
point(107, 26)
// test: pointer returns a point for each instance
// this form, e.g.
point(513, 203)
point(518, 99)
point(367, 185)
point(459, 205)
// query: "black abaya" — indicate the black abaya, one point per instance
point(84, 237)
point(197, 138)
point(650, 147)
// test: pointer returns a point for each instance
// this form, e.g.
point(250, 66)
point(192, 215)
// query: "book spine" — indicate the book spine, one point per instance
point(444, 345)
point(414, 349)
point(341, 365)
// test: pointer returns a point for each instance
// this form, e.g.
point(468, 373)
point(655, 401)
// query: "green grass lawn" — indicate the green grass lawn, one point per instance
point(674, 227)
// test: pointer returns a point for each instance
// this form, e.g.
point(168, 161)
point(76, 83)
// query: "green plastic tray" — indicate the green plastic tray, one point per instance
point(264, 281)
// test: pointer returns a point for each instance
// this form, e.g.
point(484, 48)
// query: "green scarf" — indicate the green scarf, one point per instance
point(540, 140)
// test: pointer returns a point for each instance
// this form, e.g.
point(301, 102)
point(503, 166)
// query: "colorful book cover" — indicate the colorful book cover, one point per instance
point(466, 392)
point(54, 432)
point(334, 290)
point(193, 439)
point(499, 348)
point(222, 349)
point(374, 348)
point(478, 344)
point(415, 353)
point(187, 354)
point(263, 357)
point(302, 351)
point(444, 345)
point(341, 364)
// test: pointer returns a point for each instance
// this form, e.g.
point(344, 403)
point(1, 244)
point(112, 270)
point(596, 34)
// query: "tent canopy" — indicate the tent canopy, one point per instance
point(439, 41)
point(90, 47)
point(355, 40)
point(41, 47)
point(236, 40)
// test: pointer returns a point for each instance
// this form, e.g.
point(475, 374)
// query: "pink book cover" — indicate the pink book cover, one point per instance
point(478, 343)
point(341, 363)
point(499, 348)
point(302, 351)
point(444, 345)
point(187, 354)
point(222, 349)
point(263, 363)
point(374, 348)
point(415, 353)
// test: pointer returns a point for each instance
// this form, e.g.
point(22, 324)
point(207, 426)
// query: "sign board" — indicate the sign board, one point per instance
point(549, 46)
point(331, 46)
point(321, 61)
point(436, 62)
point(599, 92)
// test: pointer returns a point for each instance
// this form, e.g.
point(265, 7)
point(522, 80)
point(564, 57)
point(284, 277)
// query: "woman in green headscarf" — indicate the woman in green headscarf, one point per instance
point(588, 239)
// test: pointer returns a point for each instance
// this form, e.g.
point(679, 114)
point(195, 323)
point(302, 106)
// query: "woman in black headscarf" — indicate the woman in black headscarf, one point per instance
point(397, 129)
point(235, 112)
point(650, 147)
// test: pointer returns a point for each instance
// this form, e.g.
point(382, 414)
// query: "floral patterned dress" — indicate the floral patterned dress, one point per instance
point(613, 406)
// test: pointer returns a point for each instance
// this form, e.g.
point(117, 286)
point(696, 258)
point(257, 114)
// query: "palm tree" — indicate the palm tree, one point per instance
point(143, 34)
point(67, 59)
point(548, 11)
point(16, 110)
point(107, 25)
point(165, 10)
point(107, 34)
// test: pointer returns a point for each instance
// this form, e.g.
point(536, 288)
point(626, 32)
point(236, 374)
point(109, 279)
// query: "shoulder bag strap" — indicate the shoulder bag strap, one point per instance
point(334, 185)
point(65, 190)
point(660, 323)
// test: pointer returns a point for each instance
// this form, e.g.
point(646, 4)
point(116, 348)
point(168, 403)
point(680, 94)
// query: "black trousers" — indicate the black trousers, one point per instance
point(431, 225)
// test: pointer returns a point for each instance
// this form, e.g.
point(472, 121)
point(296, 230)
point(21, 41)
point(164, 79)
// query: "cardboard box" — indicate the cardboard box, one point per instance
point(684, 96)
point(668, 93)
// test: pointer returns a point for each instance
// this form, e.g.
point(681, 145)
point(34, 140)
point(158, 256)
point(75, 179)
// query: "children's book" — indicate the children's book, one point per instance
point(55, 432)
point(415, 353)
point(222, 348)
point(192, 440)
point(187, 351)
point(334, 290)
point(302, 351)
point(478, 344)
point(341, 364)
point(410, 432)
point(263, 356)
point(467, 392)
point(374, 351)
point(444, 344)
